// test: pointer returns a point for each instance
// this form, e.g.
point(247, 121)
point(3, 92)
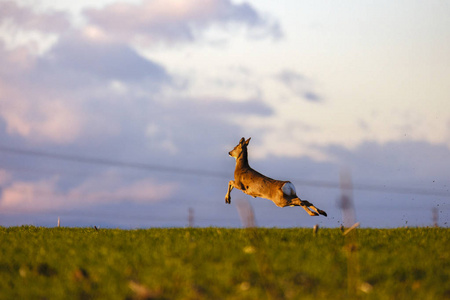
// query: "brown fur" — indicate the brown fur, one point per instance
point(255, 184)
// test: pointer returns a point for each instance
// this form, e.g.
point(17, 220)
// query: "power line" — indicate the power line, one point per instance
point(209, 173)
point(114, 163)
point(374, 188)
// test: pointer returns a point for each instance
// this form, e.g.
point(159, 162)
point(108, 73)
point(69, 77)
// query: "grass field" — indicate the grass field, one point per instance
point(218, 263)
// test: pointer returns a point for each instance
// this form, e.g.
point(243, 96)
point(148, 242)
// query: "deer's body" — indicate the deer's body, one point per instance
point(255, 184)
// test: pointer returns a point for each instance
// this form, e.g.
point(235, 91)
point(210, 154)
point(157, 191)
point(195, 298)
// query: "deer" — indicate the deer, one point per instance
point(255, 184)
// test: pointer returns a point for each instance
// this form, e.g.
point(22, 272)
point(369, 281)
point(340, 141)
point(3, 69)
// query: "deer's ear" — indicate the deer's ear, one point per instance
point(247, 141)
point(242, 141)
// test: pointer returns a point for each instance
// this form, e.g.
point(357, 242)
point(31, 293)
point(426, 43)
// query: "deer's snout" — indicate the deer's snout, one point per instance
point(229, 153)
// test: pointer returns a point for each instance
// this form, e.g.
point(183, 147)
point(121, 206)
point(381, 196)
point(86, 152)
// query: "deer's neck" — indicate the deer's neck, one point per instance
point(242, 160)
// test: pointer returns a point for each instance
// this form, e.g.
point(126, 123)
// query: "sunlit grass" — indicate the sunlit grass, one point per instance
point(217, 263)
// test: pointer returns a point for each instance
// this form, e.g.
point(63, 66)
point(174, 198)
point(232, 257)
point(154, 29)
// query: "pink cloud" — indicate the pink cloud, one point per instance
point(44, 194)
point(4, 177)
point(171, 20)
point(44, 117)
point(26, 18)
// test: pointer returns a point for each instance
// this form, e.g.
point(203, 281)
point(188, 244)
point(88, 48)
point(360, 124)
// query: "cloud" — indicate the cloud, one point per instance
point(28, 29)
point(299, 85)
point(28, 19)
point(106, 60)
point(288, 137)
point(411, 162)
point(4, 177)
point(37, 114)
point(92, 93)
point(109, 188)
point(49, 98)
point(311, 96)
point(225, 107)
point(14, 61)
point(174, 20)
point(85, 59)
point(65, 94)
point(178, 126)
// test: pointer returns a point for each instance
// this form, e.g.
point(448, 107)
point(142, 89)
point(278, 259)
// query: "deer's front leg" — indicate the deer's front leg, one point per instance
point(230, 187)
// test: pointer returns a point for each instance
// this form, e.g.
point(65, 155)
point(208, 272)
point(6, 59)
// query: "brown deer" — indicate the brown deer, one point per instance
point(255, 184)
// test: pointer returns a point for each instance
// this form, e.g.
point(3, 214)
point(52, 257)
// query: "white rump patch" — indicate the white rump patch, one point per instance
point(288, 189)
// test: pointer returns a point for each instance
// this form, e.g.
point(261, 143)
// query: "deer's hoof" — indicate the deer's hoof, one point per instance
point(323, 213)
point(227, 200)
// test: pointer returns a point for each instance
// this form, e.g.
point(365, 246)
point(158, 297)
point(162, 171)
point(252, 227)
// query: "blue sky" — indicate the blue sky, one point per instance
point(320, 86)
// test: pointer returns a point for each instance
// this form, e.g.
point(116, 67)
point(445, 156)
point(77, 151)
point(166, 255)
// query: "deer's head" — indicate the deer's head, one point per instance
point(240, 148)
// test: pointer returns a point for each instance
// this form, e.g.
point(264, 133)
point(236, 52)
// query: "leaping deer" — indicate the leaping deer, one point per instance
point(255, 184)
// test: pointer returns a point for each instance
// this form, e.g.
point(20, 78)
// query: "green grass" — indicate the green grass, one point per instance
point(217, 263)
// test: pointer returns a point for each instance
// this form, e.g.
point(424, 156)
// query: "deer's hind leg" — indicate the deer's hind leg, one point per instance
point(310, 205)
point(310, 212)
point(302, 204)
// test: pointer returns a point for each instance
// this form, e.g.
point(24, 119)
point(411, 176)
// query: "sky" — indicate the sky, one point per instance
point(121, 114)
